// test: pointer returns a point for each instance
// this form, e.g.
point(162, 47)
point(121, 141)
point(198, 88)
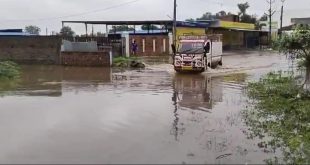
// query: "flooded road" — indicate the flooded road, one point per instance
point(98, 115)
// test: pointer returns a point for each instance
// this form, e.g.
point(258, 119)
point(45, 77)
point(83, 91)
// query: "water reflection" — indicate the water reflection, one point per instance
point(195, 93)
point(129, 117)
point(135, 117)
point(37, 80)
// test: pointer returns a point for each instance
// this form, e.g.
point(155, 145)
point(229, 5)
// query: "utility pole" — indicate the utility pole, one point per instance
point(174, 29)
point(281, 19)
point(92, 31)
point(271, 13)
point(175, 23)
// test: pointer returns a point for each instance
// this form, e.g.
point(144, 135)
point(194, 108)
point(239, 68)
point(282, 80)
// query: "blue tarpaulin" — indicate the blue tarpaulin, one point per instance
point(11, 30)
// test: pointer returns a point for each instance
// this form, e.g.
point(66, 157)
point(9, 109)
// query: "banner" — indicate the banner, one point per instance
point(237, 25)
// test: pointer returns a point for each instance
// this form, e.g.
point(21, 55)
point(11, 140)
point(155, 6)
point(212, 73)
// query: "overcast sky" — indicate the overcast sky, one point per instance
point(49, 13)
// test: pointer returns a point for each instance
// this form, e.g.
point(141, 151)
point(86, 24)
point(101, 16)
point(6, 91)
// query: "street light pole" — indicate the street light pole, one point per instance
point(174, 22)
point(174, 29)
point(281, 19)
point(270, 2)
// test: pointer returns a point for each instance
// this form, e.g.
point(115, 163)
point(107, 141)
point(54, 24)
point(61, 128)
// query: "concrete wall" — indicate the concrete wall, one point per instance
point(151, 44)
point(31, 49)
point(68, 46)
point(86, 59)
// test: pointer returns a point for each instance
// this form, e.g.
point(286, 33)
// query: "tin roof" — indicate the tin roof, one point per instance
point(152, 22)
point(14, 34)
point(159, 22)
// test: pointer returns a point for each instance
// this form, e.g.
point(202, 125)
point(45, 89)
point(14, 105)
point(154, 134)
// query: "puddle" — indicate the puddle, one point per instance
point(97, 115)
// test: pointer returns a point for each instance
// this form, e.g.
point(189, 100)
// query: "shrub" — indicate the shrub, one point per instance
point(127, 62)
point(281, 110)
point(9, 70)
point(296, 44)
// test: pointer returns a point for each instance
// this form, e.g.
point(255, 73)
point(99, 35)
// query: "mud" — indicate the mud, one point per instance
point(98, 115)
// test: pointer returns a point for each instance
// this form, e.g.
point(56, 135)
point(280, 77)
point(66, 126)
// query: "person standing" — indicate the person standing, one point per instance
point(134, 48)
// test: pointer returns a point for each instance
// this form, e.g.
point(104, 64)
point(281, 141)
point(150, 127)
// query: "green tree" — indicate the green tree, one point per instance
point(207, 16)
point(243, 7)
point(260, 24)
point(264, 18)
point(99, 34)
point(244, 17)
point(150, 27)
point(210, 16)
point(230, 13)
point(190, 20)
point(31, 29)
point(221, 14)
point(297, 44)
point(67, 31)
point(121, 28)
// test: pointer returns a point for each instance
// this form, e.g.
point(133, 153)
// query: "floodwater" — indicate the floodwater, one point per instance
point(97, 115)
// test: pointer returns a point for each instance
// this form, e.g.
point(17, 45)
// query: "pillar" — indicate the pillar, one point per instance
point(170, 43)
point(127, 44)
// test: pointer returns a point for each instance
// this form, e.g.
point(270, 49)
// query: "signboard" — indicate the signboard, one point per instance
point(213, 37)
point(237, 25)
point(187, 31)
point(190, 37)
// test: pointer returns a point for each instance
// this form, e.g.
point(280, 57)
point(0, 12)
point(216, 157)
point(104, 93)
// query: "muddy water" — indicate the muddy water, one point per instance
point(98, 115)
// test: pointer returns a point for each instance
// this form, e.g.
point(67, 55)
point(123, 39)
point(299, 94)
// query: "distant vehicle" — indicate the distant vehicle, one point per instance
point(195, 54)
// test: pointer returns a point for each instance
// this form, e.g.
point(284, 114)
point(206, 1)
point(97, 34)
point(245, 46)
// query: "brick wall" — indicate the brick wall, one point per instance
point(85, 59)
point(30, 49)
point(149, 49)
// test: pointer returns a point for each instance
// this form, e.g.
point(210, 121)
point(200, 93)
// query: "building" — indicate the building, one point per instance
point(295, 22)
point(301, 21)
point(150, 42)
point(237, 35)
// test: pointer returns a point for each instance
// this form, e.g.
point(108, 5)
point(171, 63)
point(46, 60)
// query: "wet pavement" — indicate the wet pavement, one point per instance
point(99, 115)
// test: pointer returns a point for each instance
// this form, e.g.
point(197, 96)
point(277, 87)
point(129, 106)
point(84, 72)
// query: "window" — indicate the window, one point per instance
point(188, 46)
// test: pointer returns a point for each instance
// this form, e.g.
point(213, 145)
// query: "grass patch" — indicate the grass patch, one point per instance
point(9, 70)
point(9, 76)
point(280, 109)
point(122, 61)
point(126, 62)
